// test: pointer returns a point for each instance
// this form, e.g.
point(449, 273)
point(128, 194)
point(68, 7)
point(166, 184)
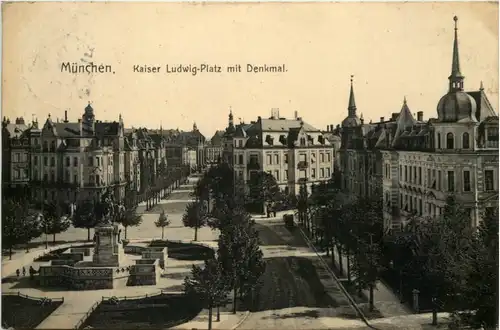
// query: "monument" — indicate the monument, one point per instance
point(105, 266)
point(108, 249)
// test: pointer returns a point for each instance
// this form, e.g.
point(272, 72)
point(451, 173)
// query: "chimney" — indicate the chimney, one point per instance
point(65, 116)
point(394, 116)
point(328, 128)
point(420, 116)
point(382, 119)
point(296, 115)
point(331, 128)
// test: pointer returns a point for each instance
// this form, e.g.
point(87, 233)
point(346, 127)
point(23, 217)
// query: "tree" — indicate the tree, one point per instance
point(202, 190)
point(162, 222)
point(84, 216)
point(194, 217)
point(303, 205)
point(479, 274)
point(19, 224)
point(263, 188)
point(54, 221)
point(127, 213)
point(240, 254)
point(207, 284)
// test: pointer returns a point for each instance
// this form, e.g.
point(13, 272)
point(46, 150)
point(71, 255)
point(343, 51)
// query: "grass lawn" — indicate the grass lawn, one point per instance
point(23, 313)
point(185, 251)
point(159, 312)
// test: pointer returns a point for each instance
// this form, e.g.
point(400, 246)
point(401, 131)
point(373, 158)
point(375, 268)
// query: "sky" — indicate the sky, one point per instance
point(392, 49)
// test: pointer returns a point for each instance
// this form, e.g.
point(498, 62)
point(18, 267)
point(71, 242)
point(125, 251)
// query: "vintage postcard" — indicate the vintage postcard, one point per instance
point(249, 165)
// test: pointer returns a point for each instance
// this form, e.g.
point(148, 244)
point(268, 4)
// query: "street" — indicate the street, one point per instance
point(297, 292)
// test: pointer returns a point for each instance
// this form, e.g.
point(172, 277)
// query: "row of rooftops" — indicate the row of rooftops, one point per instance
point(98, 130)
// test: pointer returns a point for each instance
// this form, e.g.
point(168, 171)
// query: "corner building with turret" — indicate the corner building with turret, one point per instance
point(415, 164)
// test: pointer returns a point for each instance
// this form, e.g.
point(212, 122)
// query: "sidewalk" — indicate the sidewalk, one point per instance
point(385, 301)
point(228, 321)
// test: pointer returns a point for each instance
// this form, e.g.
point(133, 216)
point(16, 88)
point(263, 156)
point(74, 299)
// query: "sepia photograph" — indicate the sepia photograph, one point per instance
point(217, 165)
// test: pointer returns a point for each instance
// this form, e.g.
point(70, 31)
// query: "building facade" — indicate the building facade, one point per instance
point(415, 164)
point(214, 148)
point(292, 151)
point(71, 161)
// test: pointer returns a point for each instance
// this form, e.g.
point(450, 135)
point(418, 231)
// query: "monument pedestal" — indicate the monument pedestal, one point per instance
point(108, 249)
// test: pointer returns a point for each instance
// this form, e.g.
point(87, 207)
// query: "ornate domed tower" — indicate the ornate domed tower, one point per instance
point(456, 109)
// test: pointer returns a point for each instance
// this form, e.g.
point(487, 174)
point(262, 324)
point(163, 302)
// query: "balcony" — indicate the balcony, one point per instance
point(253, 166)
point(302, 165)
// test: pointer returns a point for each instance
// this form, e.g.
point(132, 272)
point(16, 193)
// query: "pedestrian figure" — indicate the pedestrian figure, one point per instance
point(32, 272)
point(17, 272)
point(24, 271)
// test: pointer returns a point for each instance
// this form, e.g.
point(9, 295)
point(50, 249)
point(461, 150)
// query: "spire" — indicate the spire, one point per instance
point(481, 86)
point(195, 128)
point(404, 100)
point(231, 122)
point(456, 78)
point(352, 102)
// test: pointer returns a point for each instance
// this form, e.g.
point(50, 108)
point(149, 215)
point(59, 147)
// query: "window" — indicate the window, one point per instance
point(240, 159)
point(53, 145)
point(420, 175)
point(91, 161)
point(286, 174)
point(387, 200)
point(400, 171)
point(406, 173)
point(277, 175)
point(328, 157)
point(414, 174)
point(449, 141)
point(420, 211)
point(17, 173)
point(401, 201)
point(75, 178)
point(321, 172)
point(52, 161)
point(45, 145)
point(488, 180)
point(18, 157)
point(286, 158)
point(276, 159)
point(66, 176)
point(35, 160)
point(45, 161)
point(52, 177)
point(302, 141)
point(45, 177)
point(322, 157)
point(429, 179)
point(466, 181)
point(439, 180)
point(35, 175)
point(97, 160)
point(411, 174)
point(465, 141)
point(451, 181)
point(68, 162)
point(269, 160)
point(438, 140)
point(240, 143)
point(75, 161)
point(35, 141)
point(313, 173)
point(327, 172)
